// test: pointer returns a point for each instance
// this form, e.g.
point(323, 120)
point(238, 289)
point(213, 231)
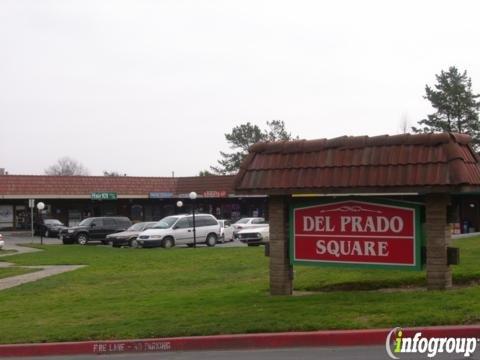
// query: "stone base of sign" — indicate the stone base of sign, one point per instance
point(281, 272)
point(439, 274)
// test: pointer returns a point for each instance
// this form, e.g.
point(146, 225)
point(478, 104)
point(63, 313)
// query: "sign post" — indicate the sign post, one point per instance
point(31, 204)
point(372, 233)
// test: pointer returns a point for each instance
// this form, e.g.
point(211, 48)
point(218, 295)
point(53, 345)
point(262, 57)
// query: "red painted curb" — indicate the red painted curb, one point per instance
point(224, 342)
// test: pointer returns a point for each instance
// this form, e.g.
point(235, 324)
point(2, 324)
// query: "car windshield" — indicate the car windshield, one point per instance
point(242, 221)
point(166, 223)
point(53, 222)
point(136, 227)
point(86, 222)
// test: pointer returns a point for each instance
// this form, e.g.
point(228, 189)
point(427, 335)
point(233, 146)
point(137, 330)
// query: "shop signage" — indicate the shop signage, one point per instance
point(160, 195)
point(366, 233)
point(214, 194)
point(104, 196)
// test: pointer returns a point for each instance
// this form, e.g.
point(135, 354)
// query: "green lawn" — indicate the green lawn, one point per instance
point(129, 293)
point(14, 271)
point(4, 252)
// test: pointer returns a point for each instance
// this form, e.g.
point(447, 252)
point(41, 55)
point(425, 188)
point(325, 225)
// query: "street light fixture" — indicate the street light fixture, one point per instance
point(40, 207)
point(193, 196)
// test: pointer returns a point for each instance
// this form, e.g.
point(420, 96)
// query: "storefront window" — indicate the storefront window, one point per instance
point(136, 213)
point(6, 216)
point(74, 217)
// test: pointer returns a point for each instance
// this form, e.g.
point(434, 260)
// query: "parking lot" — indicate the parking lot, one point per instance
point(23, 237)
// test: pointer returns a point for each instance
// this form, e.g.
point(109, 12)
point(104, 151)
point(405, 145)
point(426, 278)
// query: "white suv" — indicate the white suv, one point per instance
point(178, 230)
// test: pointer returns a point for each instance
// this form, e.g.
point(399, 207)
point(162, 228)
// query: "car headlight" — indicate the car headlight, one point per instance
point(70, 231)
point(157, 237)
point(259, 235)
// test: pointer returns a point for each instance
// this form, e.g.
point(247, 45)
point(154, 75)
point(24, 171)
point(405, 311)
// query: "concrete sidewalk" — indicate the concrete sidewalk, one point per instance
point(43, 271)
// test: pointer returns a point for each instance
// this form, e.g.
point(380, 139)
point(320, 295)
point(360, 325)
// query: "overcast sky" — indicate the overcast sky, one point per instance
point(150, 87)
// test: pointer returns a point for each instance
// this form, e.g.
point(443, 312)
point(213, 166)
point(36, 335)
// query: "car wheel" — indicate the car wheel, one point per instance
point(211, 240)
point(135, 244)
point(167, 243)
point(82, 239)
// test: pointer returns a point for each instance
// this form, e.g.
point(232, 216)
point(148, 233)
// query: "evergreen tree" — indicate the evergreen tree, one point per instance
point(241, 138)
point(456, 106)
point(205, 173)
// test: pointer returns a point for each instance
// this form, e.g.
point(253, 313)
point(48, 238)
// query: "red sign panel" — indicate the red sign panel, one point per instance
point(214, 194)
point(355, 232)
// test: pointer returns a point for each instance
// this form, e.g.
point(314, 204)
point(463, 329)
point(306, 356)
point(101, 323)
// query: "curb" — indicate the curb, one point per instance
point(231, 342)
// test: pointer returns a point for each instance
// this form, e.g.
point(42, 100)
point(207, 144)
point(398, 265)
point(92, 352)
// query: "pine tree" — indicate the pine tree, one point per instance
point(456, 106)
point(241, 138)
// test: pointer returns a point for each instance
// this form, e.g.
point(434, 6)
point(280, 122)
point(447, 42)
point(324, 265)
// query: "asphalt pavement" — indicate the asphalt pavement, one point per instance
point(330, 353)
point(25, 238)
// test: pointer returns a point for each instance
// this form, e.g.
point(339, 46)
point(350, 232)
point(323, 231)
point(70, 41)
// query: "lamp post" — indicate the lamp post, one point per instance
point(40, 207)
point(193, 196)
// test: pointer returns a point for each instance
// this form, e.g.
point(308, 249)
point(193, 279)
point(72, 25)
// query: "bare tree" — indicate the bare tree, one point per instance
point(66, 166)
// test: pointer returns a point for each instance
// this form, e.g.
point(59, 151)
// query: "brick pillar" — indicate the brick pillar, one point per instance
point(281, 273)
point(439, 274)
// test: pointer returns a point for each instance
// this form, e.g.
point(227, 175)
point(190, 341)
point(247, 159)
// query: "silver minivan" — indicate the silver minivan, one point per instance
point(178, 230)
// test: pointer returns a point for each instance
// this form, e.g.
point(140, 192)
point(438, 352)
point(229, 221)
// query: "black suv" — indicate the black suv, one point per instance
point(95, 228)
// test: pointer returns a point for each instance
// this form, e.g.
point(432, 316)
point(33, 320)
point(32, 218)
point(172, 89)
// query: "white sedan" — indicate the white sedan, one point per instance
point(248, 223)
point(254, 236)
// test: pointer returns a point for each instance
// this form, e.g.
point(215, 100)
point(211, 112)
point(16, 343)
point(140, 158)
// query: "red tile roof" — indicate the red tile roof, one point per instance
point(359, 164)
point(201, 184)
point(83, 186)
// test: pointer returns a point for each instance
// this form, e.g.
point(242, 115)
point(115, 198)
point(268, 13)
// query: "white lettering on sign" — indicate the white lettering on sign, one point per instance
point(339, 248)
point(377, 224)
point(317, 223)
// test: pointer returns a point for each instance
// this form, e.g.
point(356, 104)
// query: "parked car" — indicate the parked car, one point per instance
point(254, 236)
point(2, 242)
point(125, 237)
point(48, 227)
point(248, 223)
point(178, 230)
point(226, 231)
point(94, 228)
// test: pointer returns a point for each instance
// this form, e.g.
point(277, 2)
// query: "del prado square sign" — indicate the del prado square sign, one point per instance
point(371, 233)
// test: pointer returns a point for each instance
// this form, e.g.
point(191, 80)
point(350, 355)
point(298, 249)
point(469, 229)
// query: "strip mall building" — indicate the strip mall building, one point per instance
point(73, 198)
point(412, 160)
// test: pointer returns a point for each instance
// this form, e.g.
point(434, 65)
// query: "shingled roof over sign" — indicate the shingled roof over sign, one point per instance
point(399, 163)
